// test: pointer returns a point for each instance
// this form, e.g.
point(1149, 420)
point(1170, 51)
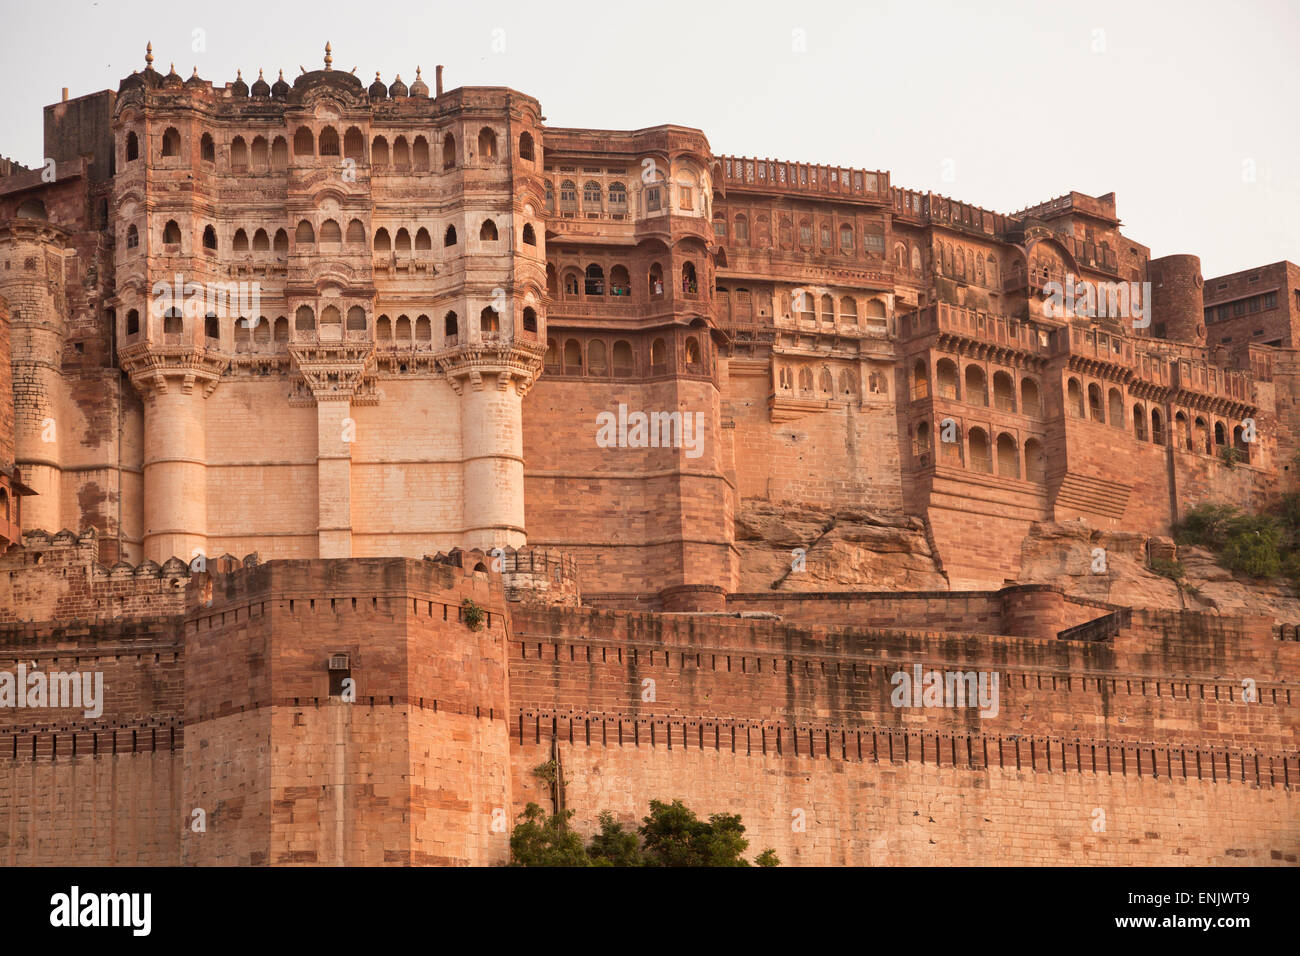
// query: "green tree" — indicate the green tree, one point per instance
point(614, 845)
point(674, 836)
point(539, 840)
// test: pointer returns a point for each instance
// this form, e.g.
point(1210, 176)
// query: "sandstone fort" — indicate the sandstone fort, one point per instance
point(310, 382)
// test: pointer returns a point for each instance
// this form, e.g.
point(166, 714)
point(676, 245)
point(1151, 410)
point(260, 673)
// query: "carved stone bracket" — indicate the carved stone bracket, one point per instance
point(333, 371)
point(512, 363)
point(152, 368)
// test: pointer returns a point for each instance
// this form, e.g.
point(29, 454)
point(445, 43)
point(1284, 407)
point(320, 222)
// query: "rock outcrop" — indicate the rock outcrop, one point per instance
point(1113, 566)
point(843, 550)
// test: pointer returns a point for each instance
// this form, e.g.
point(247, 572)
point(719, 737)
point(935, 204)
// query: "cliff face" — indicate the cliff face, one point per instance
point(844, 550)
point(1066, 555)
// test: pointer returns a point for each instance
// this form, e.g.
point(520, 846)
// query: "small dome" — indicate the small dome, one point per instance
point(280, 89)
point(260, 86)
point(419, 88)
point(378, 90)
point(239, 88)
point(173, 79)
point(194, 80)
point(398, 88)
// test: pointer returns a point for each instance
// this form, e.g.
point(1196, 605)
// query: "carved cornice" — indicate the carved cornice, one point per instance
point(517, 363)
point(154, 368)
point(333, 371)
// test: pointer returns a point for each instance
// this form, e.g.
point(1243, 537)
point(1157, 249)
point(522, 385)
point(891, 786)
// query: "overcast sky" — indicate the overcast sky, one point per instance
point(1187, 110)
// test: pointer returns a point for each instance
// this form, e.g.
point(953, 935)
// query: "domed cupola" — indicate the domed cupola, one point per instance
point(378, 91)
point(239, 88)
point(280, 89)
point(173, 81)
point(398, 88)
point(194, 82)
point(261, 88)
point(419, 87)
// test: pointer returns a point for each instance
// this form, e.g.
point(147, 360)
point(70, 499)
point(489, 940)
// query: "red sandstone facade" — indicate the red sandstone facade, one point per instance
point(450, 293)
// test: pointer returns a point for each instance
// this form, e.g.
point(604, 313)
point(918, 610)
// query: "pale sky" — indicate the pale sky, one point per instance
point(1186, 110)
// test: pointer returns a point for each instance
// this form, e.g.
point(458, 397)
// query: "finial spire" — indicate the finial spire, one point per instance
point(148, 56)
point(259, 73)
point(329, 60)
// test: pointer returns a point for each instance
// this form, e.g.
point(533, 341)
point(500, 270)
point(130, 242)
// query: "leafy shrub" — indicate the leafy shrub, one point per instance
point(1207, 526)
point(1173, 570)
point(1254, 552)
point(473, 615)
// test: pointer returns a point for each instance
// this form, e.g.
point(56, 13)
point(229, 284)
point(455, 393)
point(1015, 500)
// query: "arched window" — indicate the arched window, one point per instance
point(656, 279)
point(526, 146)
point(1139, 422)
point(979, 453)
point(132, 147)
point(329, 141)
point(305, 235)
point(356, 233)
point(402, 328)
point(171, 144)
point(826, 235)
point(945, 373)
point(423, 329)
point(420, 155)
point(920, 380)
point(281, 242)
point(383, 328)
point(530, 237)
point(596, 357)
point(261, 154)
point(303, 142)
point(916, 259)
point(1115, 406)
point(1074, 398)
point(846, 238)
point(1157, 427)
point(402, 241)
point(552, 282)
point(1219, 438)
point(209, 239)
point(382, 241)
point(594, 283)
point(261, 241)
point(900, 255)
point(487, 145)
point(132, 237)
point(171, 233)
point(132, 322)
point(658, 353)
point(1008, 456)
point(449, 152)
point(1202, 438)
point(617, 199)
point(450, 327)
point(282, 329)
point(572, 357)
point(330, 233)
point(848, 384)
point(356, 319)
point(991, 271)
point(1095, 410)
point(571, 283)
point(280, 154)
point(354, 145)
point(449, 237)
point(805, 379)
point(1035, 461)
point(304, 320)
point(379, 152)
point(921, 444)
point(591, 193)
point(828, 309)
point(489, 321)
point(207, 149)
point(976, 386)
point(1182, 432)
point(620, 282)
point(530, 319)
point(690, 286)
point(568, 196)
point(550, 196)
point(401, 153)
point(423, 241)
point(211, 327)
point(1004, 392)
point(1238, 437)
point(624, 362)
point(488, 231)
point(741, 230)
point(692, 351)
point(1030, 403)
point(173, 322)
point(240, 242)
point(331, 321)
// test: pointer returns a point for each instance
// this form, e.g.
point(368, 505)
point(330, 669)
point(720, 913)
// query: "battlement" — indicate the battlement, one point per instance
point(528, 574)
point(805, 179)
